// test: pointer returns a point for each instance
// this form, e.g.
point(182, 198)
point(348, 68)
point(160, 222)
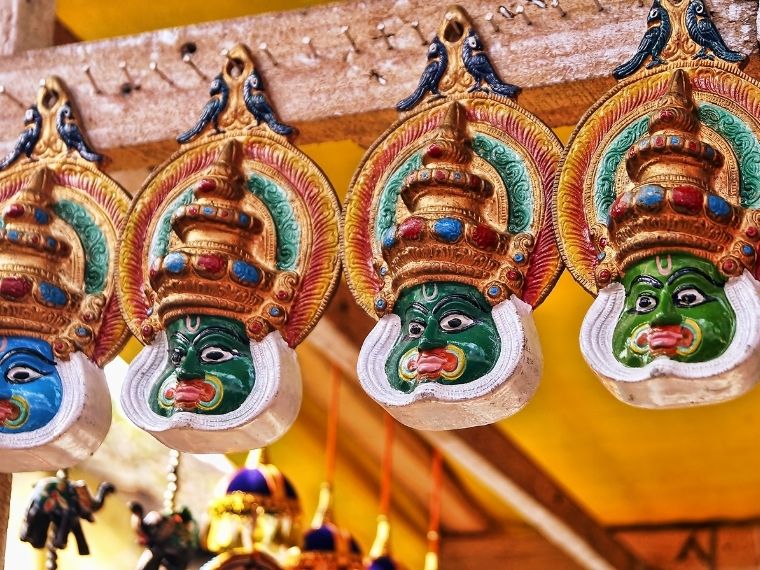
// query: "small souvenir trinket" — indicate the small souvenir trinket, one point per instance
point(170, 537)
point(60, 219)
point(55, 510)
point(656, 211)
point(255, 517)
point(229, 257)
point(448, 240)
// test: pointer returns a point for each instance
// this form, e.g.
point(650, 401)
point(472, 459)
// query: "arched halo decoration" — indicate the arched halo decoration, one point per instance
point(60, 218)
point(656, 212)
point(448, 240)
point(229, 258)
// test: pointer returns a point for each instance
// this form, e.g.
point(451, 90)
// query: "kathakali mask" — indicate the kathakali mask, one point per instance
point(656, 216)
point(229, 257)
point(448, 241)
point(60, 219)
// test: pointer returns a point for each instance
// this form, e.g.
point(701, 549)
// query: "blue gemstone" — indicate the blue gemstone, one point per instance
point(717, 206)
point(51, 243)
point(675, 140)
point(650, 196)
point(709, 151)
point(494, 291)
point(41, 216)
point(81, 331)
point(53, 295)
point(149, 311)
point(389, 237)
point(601, 255)
point(246, 272)
point(380, 304)
point(448, 229)
point(383, 271)
point(175, 262)
point(519, 257)
point(13, 235)
point(208, 210)
point(274, 311)
point(748, 249)
point(244, 219)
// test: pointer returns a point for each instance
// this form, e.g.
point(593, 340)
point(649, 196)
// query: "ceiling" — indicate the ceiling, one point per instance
point(625, 465)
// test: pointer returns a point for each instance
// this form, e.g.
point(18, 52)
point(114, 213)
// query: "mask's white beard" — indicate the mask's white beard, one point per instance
point(264, 416)
point(500, 393)
point(77, 429)
point(668, 383)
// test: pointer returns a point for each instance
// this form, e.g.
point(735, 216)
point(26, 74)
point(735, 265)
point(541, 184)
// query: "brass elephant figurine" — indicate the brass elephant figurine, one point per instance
point(170, 538)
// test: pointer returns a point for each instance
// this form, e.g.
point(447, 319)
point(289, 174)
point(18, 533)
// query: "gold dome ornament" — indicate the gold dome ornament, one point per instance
point(448, 240)
point(60, 219)
point(255, 516)
point(657, 215)
point(229, 258)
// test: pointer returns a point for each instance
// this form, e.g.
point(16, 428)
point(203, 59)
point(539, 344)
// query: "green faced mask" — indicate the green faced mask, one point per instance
point(447, 336)
point(210, 368)
point(675, 306)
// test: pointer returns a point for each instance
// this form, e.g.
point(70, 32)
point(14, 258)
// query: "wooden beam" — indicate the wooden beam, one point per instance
point(25, 25)
point(564, 65)
point(494, 459)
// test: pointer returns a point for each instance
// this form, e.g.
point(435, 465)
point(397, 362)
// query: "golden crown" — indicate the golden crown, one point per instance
point(220, 258)
point(445, 235)
point(42, 271)
point(673, 206)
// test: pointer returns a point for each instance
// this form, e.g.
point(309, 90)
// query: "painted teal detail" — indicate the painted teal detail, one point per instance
point(175, 262)
point(386, 206)
point(53, 295)
point(514, 175)
point(285, 223)
point(245, 272)
point(745, 145)
point(160, 243)
point(448, 229)
point(96, 257)
point(604, 182)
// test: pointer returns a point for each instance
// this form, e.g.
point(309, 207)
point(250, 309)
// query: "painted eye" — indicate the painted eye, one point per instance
point(690, 297)
point(22, 374)
point(645, 303)
point(455, 322)
point(214, 354)
point(415, 329)
point(177, 356)
point(473, 42)
point(653, 13)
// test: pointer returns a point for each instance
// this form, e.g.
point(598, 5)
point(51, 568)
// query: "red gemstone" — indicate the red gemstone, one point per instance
point(434, 151)
point(192, 211)
point(659, 141)
point(147, 331)
point(15, 287)
point(223, 213)
point(282, 295)
point(513, 275)
point(667, 115)
point(206, 185)
point(729, 266)
point(751, 232)
point(254, 327)
point(440, 175)
point(485, 237)
point(619, 207)
point(88, 317)
point(14, 211)
point(211, 263)
point(604, 275)
point(411, 228)
point(687, 199)
point(603, 242)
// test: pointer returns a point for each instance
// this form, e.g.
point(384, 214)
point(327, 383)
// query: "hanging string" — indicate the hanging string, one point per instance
point(433, 536)
point(387, 467)
point(172, 482)
point(332, 424)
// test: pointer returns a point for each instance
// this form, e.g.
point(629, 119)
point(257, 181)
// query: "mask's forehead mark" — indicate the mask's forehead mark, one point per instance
point(666, 269)
point(191, 325)
point(3, 343)
point(432, 294)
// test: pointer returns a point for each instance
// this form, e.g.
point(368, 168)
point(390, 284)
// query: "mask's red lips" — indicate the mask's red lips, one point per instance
point(430, 364)
point(666, 339)
point(188, 394)
point(9, 411)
